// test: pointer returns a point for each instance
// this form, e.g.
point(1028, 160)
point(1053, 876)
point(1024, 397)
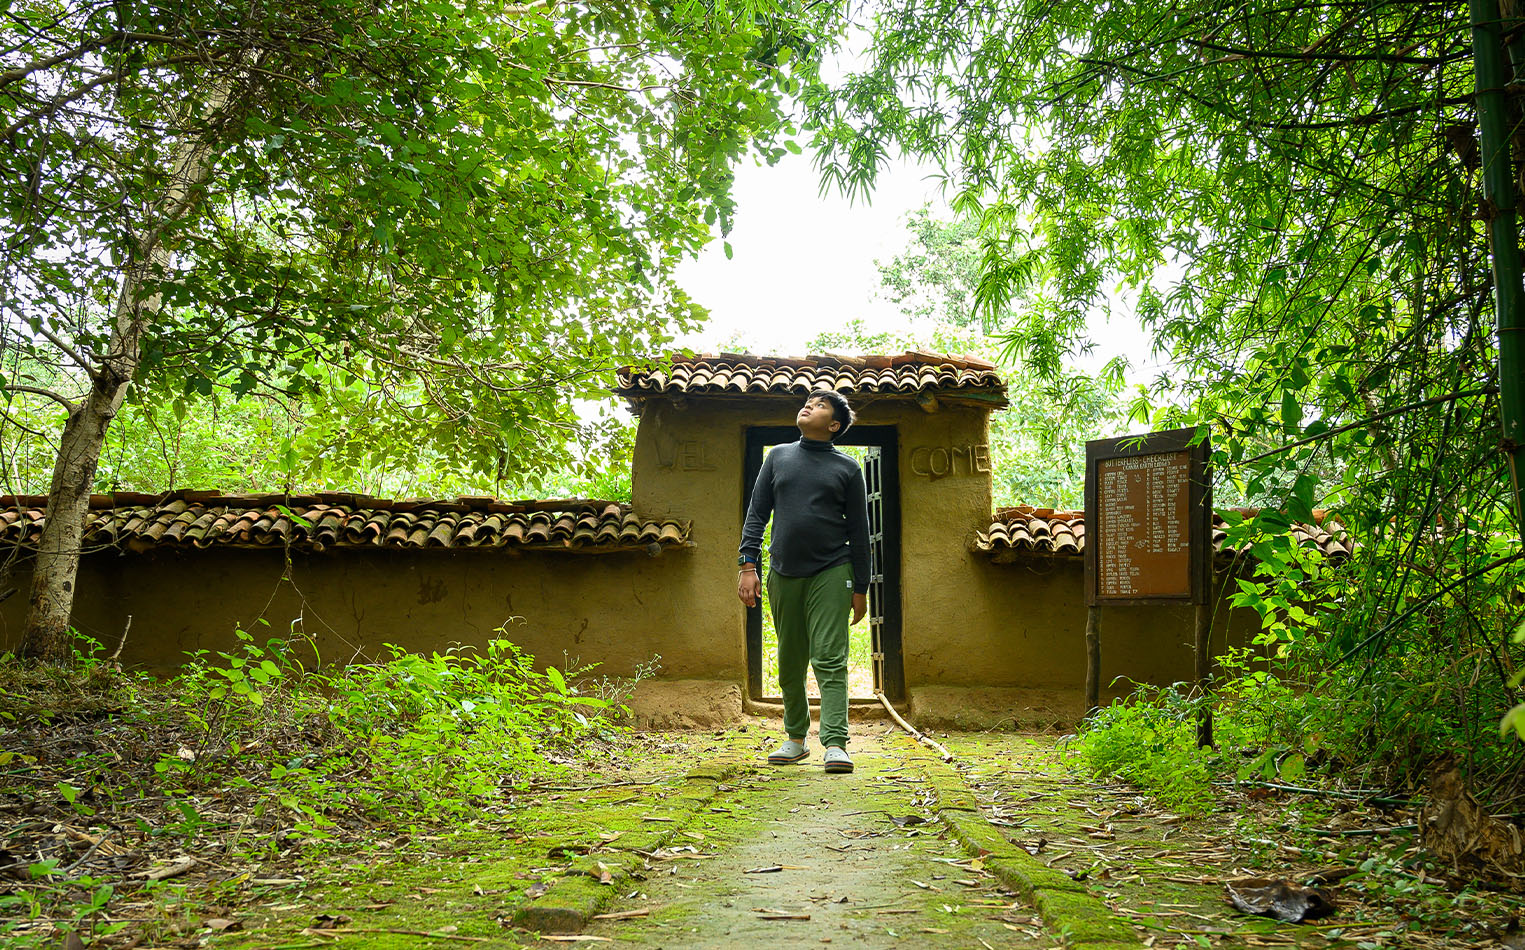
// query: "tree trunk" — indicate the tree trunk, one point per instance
point(58, 551)
point(56, 568)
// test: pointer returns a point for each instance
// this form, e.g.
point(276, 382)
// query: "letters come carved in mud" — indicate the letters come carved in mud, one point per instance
point(939, 461)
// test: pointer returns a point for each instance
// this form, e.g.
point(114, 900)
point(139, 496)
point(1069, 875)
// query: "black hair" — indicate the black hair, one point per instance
point(840, 410)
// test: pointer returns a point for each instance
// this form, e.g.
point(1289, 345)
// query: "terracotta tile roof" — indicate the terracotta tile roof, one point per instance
point(916, 373)
point(1044, 532)
point(341, 520)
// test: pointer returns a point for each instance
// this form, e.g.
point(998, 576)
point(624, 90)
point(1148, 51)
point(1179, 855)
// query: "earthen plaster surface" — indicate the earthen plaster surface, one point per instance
point(982, 642)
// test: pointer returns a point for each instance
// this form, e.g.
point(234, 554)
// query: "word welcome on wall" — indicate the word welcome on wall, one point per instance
point(940, 461)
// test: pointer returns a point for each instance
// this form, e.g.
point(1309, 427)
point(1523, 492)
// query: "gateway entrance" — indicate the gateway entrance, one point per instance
point(874, 653)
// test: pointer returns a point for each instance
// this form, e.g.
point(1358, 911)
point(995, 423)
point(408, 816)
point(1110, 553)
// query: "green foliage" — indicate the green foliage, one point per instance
point(938, 273)
point(431, 225)
point(259, 755)
point(1150, 739)
point(1267, 730)
point(258, 443)
point(429, 736)
point(1037, 445)
point(76, 904)
point(1284, 713)
point(1288, 197)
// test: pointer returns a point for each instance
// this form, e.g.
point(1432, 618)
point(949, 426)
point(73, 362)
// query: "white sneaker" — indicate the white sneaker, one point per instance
point(792, 751)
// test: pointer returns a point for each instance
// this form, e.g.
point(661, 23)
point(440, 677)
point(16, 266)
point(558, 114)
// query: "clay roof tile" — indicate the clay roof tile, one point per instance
point(396, 533)
point(466, 529)
point(730, 373)
point(156, 524)
point(207, 519)
point(197, 529)
point(442, 534)
point(1043, 531)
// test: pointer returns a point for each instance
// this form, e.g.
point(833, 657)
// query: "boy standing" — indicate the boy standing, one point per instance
point(819, 569)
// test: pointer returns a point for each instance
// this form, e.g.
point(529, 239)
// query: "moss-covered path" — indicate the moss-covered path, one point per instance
point(711, 848)
point(791, 856)
point(705, 845)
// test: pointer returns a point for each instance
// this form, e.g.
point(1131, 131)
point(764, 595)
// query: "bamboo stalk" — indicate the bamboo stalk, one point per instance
point(1500, 212)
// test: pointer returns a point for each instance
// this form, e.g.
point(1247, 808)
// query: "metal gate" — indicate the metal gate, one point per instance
point(873, 477)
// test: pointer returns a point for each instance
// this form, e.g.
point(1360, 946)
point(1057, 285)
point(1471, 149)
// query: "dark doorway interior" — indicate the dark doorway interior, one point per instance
point(882, 477)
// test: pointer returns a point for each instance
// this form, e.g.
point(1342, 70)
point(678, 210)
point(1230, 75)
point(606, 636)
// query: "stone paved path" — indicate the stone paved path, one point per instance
point(861, 855)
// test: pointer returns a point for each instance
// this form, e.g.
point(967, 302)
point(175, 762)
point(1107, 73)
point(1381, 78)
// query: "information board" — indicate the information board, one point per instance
point(1148, 516)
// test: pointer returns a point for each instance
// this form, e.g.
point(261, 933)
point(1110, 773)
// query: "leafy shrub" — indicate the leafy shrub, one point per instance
point(448, 728)
point(1150, 740)
point(431, 736)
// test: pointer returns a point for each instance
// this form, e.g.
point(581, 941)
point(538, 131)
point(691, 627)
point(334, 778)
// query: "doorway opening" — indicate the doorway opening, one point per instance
point(874, 652)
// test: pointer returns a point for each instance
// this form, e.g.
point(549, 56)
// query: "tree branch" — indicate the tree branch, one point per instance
point(1309, 55)
point(55, 104)
point(1361, 423)
point(38, 391)
point(6, 417)
point(1368, 118)
point(68, 350)
point(595, 84)
point(21, 72)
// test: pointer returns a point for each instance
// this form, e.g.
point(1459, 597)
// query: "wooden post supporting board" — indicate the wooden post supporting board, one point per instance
point(1204, 674)
point(1093, 659)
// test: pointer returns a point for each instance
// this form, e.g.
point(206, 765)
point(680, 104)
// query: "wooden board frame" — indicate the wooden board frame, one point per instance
point(1199, 512)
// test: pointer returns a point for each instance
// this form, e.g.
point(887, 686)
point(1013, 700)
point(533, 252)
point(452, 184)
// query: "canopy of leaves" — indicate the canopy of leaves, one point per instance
point(1289, 195)
point(937, 274)
point(1037, 444)
point(440, 221)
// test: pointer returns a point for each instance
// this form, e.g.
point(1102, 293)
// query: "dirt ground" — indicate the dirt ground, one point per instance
point(692, 840)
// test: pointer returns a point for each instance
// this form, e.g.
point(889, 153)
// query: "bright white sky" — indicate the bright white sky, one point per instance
point(803, 262)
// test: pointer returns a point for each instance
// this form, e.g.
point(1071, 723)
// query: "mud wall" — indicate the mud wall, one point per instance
point(1028, 666)
point(689, 462)
point(353, 603)
point(983, 642)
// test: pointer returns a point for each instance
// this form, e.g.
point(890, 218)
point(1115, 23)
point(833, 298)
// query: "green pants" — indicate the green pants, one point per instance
point(811, 616)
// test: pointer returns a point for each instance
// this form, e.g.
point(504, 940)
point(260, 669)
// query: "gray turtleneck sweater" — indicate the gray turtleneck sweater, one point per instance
point(820, 511)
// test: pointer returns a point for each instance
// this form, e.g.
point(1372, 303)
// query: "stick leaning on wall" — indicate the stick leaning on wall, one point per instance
point(920, 736)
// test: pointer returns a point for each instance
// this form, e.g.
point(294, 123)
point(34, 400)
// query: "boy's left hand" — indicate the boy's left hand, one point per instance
point(860, 606)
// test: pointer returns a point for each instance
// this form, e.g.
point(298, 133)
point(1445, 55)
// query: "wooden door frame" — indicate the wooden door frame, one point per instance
point(887, 438)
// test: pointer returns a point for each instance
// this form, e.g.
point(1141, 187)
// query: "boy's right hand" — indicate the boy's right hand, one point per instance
point(748, 586)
